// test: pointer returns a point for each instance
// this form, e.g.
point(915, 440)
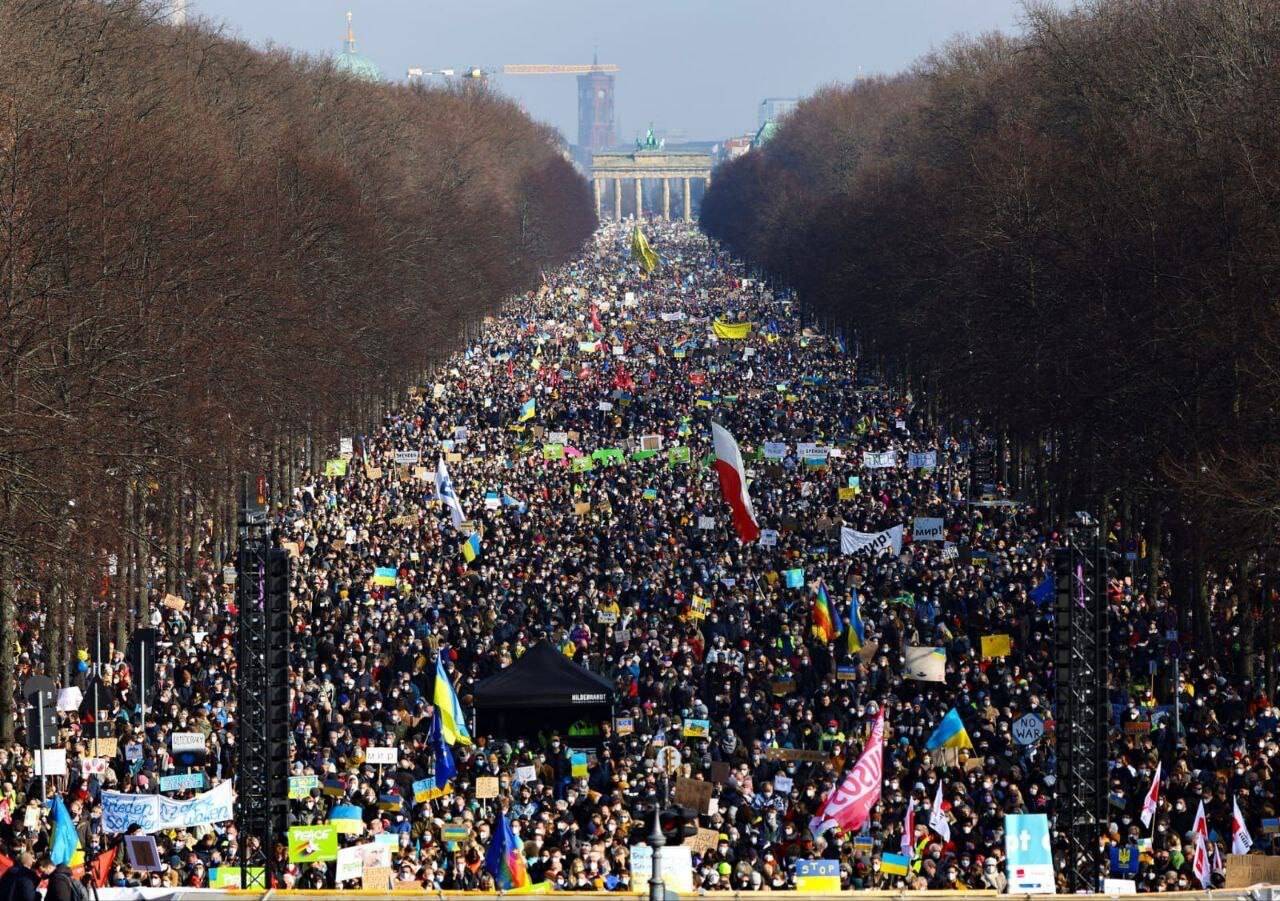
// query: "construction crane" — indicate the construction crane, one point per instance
point(595, 93)
point(552, 69)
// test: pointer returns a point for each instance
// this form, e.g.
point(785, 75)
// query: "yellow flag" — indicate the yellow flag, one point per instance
point(642, 253)
point(731, 331)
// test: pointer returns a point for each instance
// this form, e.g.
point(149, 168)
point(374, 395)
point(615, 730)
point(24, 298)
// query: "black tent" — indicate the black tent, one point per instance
point(544, 691)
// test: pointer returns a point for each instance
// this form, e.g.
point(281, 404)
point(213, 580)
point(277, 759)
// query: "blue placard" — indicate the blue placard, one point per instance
point(817, 868)
point(1029, 857)
point(180, 782)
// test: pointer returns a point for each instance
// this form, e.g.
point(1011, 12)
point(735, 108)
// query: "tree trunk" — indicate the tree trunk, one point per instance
point(1155, 545)
point(1245, 617)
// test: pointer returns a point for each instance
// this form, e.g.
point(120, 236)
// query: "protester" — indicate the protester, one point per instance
point(634, 569)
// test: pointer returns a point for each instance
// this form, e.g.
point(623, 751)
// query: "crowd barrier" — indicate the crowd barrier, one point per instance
point(1252, 893)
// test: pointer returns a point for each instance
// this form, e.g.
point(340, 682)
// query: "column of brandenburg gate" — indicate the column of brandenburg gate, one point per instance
point(649, 164)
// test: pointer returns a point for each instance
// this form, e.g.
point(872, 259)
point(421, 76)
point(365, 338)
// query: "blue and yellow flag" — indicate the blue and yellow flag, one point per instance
point(64, 843)
point(384, 575)
point(856, 634)
point(471, 548)
point(528, 409)
point(642, 253)
point(949, 734)
point(453, 725)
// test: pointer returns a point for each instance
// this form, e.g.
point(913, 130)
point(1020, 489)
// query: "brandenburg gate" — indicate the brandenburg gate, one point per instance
point(649, 164)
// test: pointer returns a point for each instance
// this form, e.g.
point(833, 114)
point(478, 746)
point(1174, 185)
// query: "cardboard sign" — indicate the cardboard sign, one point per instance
point(694, 793)
point(800, 755)
point(377, 878)
point(1244, 870)
point(996, 646)
point(486, 787)
point(705, 840)
point(455, 832)
point(720, 771)
point(173, 602)
point(103, 748)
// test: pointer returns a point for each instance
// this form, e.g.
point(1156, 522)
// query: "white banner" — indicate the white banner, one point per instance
point(927, 528)
point(677, 316)
point(156, 813)
point(775, 450)
point(924, 460)
point(881, 460)
point(408, 457)
point(854, 542)
point(350, 864)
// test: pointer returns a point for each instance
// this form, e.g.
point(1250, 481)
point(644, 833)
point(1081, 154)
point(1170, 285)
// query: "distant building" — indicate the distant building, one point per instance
point(774, 108)
point(732, 148)
point(347, 60)
point(595, 112)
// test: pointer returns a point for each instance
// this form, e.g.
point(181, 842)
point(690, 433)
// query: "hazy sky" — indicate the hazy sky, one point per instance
point(697, 66)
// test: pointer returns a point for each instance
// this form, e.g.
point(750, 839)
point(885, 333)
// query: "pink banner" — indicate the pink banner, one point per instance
point(849, 804)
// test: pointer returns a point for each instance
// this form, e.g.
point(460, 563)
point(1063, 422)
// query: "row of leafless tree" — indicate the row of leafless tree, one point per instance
point(216, 259)
point(1071, 235)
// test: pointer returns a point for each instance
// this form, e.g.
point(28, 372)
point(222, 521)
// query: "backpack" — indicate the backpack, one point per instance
point(78, 891)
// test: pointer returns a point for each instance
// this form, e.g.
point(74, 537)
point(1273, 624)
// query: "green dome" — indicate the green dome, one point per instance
point(354, 64)
point(347, 60)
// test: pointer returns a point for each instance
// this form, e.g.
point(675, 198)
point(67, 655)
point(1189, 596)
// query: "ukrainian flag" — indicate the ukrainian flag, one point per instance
point(528, 409)
point(453, 726)
point(949, 734)
point(856, 634)
point(384, 575)
point(64, 843)
point(894, 864)
point(471, 548)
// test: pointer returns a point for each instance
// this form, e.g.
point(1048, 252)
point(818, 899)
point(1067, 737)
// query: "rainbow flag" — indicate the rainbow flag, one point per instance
point(505, 858)
point(825, 618)
point(856, 634)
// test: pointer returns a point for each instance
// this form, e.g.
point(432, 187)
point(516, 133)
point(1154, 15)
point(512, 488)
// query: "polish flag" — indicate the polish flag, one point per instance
point(1241, 840)
point(849, 804)
point(1200, 862)
point(1152, 799)
point(733, 483)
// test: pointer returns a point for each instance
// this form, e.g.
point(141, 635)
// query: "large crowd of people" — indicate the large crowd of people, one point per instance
point(630, 567)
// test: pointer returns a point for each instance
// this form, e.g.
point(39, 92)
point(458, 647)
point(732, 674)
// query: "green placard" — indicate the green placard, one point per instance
point(229, 877)
point(553, 451)
point(677, 455)
point(309, 843)
point(582, 464)
point(300, 786)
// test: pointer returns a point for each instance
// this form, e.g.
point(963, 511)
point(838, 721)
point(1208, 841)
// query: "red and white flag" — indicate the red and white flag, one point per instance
point(909, 831)
point(1200, 825)
point(733, 483)
point(849, 804)
point(1200, 862)
point(1241, 840)
point(595, 320)
point(1152, 799)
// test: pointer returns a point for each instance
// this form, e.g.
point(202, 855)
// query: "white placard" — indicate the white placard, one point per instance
point(706, 523)
point(350, 863)
point(69, 699)
point(768, 537)
point(526, 774)
point(782, 784)
point(604, 406)
point(380, 756)
point(922, 460)
point(346, 447)
point(677, 867)
point(408, 457)
point(557, 437)
point(775, 450)
point(51, 762)
point(186, 741)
